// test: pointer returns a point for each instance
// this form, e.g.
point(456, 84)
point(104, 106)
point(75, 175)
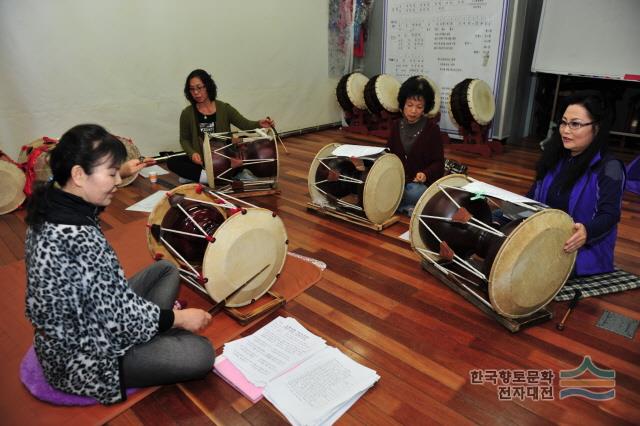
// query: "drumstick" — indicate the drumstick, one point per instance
point(166, 156)
point(222, 302)
point(572, 304)
point(278, 138)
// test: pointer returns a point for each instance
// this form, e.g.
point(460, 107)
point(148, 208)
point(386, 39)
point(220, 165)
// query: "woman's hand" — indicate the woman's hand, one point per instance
point(420, 177)
point(132, 167)
point(196, 158)
point(266, 122)
point(577, 240)
point(191, 319)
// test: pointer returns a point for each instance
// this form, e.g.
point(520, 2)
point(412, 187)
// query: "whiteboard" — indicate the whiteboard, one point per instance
point(448, 41)
point(592, 38)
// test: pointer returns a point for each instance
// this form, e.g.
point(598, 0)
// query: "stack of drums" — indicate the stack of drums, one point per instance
point(515, 269)
point(471, 101)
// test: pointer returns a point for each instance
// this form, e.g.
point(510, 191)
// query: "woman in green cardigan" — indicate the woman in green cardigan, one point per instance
point(205, 114)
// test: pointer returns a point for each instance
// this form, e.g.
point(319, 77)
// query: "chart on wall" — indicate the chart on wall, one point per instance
point(447, 41)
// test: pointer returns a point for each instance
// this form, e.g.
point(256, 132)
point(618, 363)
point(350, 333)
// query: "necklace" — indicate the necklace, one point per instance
point(406, 128)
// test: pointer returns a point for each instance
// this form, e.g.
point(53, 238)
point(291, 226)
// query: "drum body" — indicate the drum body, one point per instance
point(250, 157)
point(520, 266)
point(381, 94)
point(13, 180)
point(239, 243)
point(350, 91)
point(132, 154)
point(370, 187)
point(471, 101)
point(34, 158)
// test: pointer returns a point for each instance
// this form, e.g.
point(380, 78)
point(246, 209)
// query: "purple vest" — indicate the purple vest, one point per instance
point(633, 176)
point(596, 257)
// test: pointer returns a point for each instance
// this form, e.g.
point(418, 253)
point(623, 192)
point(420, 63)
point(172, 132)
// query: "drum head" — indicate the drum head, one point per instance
point(355, 89)
point(132, 154)
point(244, 244)
point(160, 210)
point(482, 105)
point(383, 188)
point(415, 224)
point(208, 161)
point(531, 267)
point(318, 197)
point(12, 192)
point(387, 89)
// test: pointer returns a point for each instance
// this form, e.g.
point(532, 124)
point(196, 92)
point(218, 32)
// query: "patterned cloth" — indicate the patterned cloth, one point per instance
point(598, 285)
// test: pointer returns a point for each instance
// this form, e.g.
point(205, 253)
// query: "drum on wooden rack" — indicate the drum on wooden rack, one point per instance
point(381, 94)
point(34, 158)
point(132, 153)
point(368, 186)
point(519, 265)
point(217, 245)
point(12, 189)
point(350, 91)
point(471, 101)
point(241, 161)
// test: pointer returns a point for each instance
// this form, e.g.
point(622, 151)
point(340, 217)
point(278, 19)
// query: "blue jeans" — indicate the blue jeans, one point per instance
point(412, 193)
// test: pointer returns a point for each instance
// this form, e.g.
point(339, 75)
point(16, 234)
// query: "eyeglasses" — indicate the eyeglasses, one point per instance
point(197, 88)
point(575, 125)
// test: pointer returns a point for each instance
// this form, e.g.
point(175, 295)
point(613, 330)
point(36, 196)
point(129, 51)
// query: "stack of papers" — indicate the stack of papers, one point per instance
point(308, 381)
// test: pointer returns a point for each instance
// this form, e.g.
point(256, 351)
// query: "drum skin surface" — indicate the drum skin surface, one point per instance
point(482, 105)
point(318, 197)
point(531, 266)
point(381, 93)
point(350, 91)
point(383, 188)
point(13, 181)
point(244, 244)
point(132, 153)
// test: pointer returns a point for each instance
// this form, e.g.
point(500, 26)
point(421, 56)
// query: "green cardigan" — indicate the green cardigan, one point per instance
point(225, 116)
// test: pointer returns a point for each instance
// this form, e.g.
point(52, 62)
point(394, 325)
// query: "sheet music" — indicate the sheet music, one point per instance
point(493, 191)
point(147, 204)
point(357, 150)
point(153, 168)
point(274, 349)
point(321, 389)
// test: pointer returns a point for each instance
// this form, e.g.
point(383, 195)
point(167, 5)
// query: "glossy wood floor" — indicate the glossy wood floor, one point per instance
point(378, 306)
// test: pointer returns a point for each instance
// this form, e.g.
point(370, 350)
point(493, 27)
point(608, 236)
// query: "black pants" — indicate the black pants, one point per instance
point(176, 355)
point(184, 167)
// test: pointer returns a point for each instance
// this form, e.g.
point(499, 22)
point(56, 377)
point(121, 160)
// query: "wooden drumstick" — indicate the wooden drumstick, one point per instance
point(215, 308)
point(572, 304)
point(278, 136)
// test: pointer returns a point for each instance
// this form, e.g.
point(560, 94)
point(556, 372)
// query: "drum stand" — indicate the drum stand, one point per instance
point(475, 141)
point(357, 119)
point(481, 301)
point(382, 124)
point(350, 217)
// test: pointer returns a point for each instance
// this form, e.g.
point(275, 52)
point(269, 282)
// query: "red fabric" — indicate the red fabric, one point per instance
point(29, 165)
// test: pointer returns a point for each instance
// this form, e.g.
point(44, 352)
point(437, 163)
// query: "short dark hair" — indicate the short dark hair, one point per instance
point(554, 150)
point(416, 87)
point(212, 89)
point(85, 145)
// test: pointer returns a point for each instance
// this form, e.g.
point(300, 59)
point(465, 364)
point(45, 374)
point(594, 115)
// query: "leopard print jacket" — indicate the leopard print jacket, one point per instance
point(84, 313)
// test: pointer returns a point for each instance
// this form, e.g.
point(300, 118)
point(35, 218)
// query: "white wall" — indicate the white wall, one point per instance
point(122, 64)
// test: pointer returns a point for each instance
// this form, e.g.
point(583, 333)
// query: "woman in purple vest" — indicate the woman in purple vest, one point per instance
point(415, 139)
point(576, 174)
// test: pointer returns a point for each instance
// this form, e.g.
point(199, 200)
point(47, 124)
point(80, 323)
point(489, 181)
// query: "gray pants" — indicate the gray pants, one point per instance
point(175, 355)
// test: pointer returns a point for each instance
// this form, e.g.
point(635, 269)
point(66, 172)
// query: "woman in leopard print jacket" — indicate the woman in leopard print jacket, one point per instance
point(95, 332)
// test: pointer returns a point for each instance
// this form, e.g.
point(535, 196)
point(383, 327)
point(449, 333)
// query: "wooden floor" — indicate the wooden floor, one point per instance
point(378, 306)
